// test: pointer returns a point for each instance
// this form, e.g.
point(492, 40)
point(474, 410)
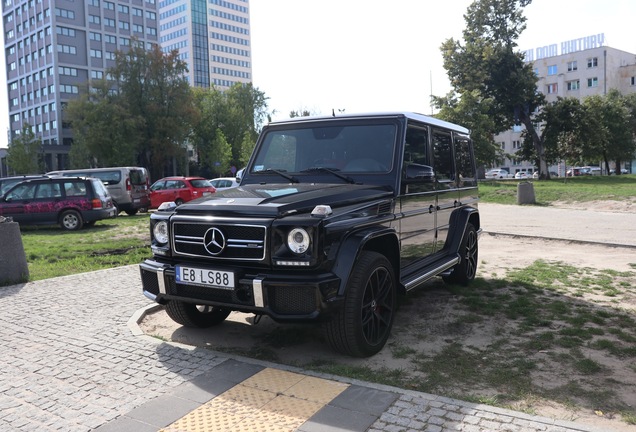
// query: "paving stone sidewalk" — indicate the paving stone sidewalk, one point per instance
point(70, 362)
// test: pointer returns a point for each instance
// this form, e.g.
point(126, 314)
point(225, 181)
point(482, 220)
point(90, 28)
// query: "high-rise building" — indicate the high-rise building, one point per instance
point(53, 48)
point(212, 37)
point(582, 69)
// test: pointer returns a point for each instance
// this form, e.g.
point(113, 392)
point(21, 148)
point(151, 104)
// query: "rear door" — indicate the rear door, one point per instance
point(138, 178)
point(445, 186)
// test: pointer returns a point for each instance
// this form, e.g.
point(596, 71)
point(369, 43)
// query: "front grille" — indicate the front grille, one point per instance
point(224, 241)
point(291, 300)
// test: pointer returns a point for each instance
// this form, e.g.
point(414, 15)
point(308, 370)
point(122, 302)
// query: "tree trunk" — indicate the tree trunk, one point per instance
point(544, 173)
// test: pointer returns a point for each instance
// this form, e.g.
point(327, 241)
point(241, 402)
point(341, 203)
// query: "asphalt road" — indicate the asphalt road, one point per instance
point(596, 225)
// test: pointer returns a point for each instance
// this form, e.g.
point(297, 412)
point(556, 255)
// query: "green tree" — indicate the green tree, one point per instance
point(247, 111)
point(104, 132)
point(489, 66)
point(153, 87)
point(24, 155)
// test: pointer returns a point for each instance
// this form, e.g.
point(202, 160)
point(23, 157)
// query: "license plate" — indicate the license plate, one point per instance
point(205, 277)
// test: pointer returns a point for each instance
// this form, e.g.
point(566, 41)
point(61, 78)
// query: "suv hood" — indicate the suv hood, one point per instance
point(277, 200)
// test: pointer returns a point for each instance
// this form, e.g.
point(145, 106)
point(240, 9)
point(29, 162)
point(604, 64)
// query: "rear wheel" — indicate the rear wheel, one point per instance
point(361, 328)
point(131, 212)
point(71, 220)
point(178, 201)
point(193, 315)
point(466, 269)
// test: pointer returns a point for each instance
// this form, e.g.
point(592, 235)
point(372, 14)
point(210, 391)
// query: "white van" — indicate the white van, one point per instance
point(128, 186)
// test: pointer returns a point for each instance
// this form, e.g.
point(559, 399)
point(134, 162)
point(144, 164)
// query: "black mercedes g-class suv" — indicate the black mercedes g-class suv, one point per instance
point(334, 217)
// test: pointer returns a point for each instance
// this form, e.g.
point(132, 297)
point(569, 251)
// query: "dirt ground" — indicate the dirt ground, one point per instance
point(429, 323)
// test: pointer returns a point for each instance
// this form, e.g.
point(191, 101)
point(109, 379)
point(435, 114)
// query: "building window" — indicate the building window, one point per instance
point(109, 5)
point(109, 22)
point(97, 74)
point(124, 25)
point(110, 39)
point(66, 49)
point(93, 19)
point(574, 85)
point(632, 80)
point(96, 53)
point(553, 88)
point(572, 66)
point(123, 9)
point(516, 144)
point(552, 70)
point(95, 36)
point(592, 82)
point(592, 62)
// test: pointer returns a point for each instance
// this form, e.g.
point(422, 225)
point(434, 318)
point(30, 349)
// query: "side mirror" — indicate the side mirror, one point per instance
point(416, 173)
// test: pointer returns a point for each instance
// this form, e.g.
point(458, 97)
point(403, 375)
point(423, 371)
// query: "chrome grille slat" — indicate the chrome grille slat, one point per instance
point(242, 241)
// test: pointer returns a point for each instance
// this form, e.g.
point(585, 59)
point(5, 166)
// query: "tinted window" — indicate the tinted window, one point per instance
point(352, 147)
point(138, 177)
point(465, 166)
point(160, 185)
point(175, 184)
point(99, 188)
point(443, 156)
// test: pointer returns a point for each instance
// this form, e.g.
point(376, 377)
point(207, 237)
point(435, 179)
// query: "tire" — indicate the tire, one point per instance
point(89, 224)
point(466, 269)
point(178, 201)
point(71, 220)
point(362, 327)
point(193, 315)
point(131, 212)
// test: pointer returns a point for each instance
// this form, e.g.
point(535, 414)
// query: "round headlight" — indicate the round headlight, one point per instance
point(160, 231)
point(298, 240)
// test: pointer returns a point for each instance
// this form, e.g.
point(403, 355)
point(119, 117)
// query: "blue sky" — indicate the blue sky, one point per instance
point(376, 55)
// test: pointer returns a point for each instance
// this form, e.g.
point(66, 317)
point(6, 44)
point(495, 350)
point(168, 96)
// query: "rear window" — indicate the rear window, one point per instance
point(138, 177)
point(201, 183)
point(100, 190)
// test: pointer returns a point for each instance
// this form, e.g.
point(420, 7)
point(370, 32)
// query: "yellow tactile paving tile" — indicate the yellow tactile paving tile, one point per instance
point(269, 401)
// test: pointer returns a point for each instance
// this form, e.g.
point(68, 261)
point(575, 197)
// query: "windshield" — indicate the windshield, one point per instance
point(361, 148)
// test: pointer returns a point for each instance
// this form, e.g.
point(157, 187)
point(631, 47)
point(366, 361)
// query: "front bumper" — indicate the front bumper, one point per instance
point(282, 296)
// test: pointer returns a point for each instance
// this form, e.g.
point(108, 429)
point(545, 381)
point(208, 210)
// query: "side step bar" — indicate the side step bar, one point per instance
point(436, 269)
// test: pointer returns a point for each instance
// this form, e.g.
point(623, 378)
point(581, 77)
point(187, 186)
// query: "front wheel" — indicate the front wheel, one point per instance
point(131, 212)
point(193, 315)
point(71, 220)
point(361, 328)
point(466, 269)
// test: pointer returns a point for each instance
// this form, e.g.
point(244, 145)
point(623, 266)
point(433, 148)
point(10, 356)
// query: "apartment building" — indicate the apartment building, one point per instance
point(211, 36)
point(584, 68)
point(53, 48)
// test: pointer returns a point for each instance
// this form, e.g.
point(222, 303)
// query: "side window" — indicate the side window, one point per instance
point(22, 192)
point(416, 147)
point(443, 156)
point(464, 161)
point(48, 190)
point(75, 188)
point(158, 186)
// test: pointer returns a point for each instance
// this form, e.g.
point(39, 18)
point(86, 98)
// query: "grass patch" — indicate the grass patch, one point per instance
point(52, 252)
point(576, 189)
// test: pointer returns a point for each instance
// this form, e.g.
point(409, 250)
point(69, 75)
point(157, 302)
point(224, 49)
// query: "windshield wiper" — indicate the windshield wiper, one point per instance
point(332, 171)
point(280, 173)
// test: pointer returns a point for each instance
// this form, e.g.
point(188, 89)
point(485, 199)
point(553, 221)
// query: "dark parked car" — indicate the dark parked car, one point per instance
point(71, 202)
point(334, 217)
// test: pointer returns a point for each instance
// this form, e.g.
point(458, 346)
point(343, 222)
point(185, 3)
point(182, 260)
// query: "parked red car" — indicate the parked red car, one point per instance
point(179, 190)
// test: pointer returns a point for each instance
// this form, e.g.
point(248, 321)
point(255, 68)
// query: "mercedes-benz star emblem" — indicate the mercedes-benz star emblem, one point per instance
point(214, 241)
